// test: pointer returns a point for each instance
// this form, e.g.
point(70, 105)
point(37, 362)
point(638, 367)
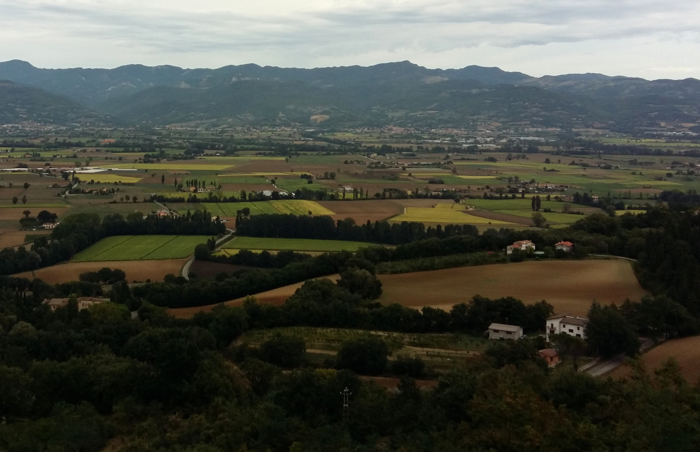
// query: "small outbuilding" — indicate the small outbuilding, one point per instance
point(550, 356)
point(503, 331)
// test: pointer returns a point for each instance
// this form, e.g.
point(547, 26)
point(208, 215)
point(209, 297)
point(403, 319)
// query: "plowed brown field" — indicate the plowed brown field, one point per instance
point(16, 238)
point(275, 297)
point(361, 211)
point(135, 270)
point(570, 286)
point(685, 351)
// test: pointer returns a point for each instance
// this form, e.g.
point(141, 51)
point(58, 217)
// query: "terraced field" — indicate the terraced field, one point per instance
point(142, 247)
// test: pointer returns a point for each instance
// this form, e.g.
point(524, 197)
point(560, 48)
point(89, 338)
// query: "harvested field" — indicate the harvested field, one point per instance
point(443, 216)
point(362, 211)
point(685, 351)
point(498, 216)
point(275, 297)
point(570, 286)
point(16, 238)
point(16, 213)
point(135, 270)
point(204, 269)
point(109, 178)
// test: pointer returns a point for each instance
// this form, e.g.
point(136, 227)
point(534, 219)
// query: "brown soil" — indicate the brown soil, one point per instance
point(570, 286)
point(362, 211)
point(15, 238)
point(501, 217)
point(135, 270)
point(15, 213)
point(210, 269)
point(275, 297)
point(685, 351)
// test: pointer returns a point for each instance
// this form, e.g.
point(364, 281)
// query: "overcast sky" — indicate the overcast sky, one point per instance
point(645, 38)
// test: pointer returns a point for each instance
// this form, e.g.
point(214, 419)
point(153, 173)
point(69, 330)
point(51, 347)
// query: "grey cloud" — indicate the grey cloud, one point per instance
point(333, 30)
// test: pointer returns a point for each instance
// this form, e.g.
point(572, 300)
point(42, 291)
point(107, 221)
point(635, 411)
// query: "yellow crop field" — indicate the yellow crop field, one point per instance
point(443, 216)
point(632, 211)
point(194, 166)
point(300, 207)
point(450, 206)
point(108, 178)
point(259, 174)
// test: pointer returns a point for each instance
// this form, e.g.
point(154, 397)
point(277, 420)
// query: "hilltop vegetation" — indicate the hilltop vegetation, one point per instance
point(394, 93)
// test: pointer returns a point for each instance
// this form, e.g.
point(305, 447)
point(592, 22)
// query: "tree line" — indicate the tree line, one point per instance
point(80, 231)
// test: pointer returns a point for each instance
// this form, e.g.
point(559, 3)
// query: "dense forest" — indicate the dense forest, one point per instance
point(75, 380)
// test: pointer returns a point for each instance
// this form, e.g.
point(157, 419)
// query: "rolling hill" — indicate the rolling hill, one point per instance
point(19, 103)
point(399, 93)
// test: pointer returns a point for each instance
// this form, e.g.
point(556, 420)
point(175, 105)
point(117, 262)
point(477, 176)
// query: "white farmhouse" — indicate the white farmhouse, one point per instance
point(503, 331)
point(522, 245)
point(567, 324)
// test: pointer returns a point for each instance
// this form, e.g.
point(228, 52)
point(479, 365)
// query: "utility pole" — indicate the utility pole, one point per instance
point(346, 402)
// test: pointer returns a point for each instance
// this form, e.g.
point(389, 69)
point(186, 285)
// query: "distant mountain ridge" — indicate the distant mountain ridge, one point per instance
point(400, 93)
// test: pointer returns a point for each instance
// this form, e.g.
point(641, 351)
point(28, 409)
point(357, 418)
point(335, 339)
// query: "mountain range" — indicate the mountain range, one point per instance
point(399, 93)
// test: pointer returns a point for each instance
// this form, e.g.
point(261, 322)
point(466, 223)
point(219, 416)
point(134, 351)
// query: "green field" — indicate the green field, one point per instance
point(141, 247)
point(256, 243)
point(510, 204)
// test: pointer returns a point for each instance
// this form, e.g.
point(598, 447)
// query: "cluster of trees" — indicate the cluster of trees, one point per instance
point(104, 275)
point(42, 217)
point(78, 232)
point(72, 380)
point(324, 227)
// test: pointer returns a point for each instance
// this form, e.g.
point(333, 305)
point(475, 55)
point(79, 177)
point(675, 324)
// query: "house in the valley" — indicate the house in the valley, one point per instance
point(522, 245)
point(566, 324)
point(83, 302)
point(503, 331)
point(550, 356)
point(564, 246)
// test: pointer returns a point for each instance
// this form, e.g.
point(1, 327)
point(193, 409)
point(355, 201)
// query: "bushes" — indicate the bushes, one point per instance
point(366, 356)
point(283, 351)
point(409, 367)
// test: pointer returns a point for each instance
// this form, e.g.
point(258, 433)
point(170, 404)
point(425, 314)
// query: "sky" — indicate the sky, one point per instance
point(642, 38)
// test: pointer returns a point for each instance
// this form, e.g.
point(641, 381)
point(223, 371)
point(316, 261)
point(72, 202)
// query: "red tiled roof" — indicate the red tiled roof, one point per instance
point(569, 244)
point(549, 352)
